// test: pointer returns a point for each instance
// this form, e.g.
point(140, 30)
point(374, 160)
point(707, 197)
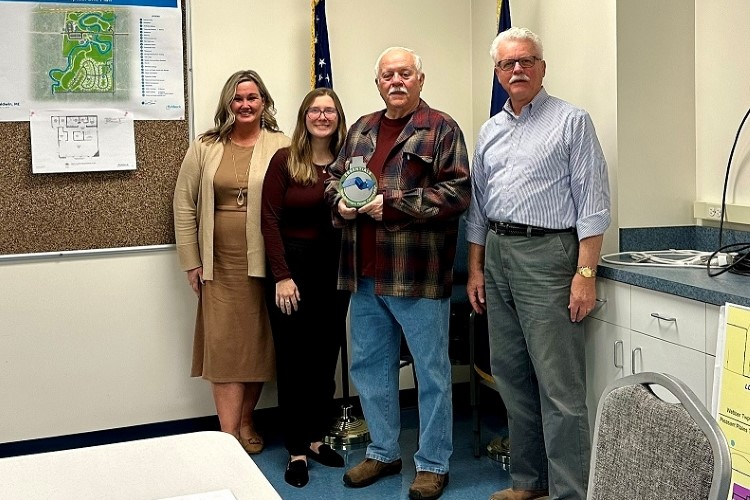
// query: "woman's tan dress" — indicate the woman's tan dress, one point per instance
point(233, 341)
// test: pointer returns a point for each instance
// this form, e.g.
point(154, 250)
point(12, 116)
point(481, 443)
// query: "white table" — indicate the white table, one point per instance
point(146, 469)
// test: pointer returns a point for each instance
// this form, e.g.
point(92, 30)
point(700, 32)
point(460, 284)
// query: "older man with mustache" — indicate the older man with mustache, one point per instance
point(540, 205)
point(397, 260)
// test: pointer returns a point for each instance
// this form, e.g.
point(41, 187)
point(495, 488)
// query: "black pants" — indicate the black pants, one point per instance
point(307, 343)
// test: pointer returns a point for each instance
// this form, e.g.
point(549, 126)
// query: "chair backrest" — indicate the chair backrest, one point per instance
point(647, 448)
point(461, 262)
point(461, 267)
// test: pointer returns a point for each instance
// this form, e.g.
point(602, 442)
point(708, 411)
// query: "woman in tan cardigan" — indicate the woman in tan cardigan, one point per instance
point(220, 246)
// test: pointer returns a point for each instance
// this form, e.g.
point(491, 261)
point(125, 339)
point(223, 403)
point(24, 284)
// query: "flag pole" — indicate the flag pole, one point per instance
point(347, 431)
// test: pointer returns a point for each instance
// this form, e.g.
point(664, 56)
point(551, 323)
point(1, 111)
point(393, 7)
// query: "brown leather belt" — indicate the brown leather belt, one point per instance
point(511, 229)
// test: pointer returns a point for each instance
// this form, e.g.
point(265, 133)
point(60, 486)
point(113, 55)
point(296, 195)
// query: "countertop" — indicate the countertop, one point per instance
point(691, 283)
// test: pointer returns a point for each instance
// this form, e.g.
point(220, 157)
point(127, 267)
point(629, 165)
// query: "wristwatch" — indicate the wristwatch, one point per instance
point(586, 271)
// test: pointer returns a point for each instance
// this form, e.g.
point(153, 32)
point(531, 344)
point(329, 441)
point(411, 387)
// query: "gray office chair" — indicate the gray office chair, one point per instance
point(647, 448)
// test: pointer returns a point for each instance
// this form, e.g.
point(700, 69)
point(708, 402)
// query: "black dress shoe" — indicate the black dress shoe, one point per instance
point(326, 456)
point(296, 473)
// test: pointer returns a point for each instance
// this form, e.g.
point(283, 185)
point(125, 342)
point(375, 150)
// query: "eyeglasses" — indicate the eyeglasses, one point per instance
point(510, 64)
point(314, 113)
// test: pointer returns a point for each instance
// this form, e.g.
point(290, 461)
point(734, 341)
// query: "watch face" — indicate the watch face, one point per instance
point(358, 186)
point(586, 272)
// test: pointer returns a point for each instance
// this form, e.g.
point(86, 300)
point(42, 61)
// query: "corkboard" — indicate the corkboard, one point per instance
point(92, 210)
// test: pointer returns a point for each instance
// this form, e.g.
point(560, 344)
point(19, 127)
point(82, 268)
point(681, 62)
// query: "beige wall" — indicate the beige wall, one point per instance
point(358, 31)
point(99, 341)
point(656, 112)
point(722, 97)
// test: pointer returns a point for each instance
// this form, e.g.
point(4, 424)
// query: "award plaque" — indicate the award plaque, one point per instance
point(358, 184)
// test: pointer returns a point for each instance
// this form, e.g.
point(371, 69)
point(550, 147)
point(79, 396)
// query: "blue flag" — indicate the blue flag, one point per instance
point(499, 95)
point(321, 74)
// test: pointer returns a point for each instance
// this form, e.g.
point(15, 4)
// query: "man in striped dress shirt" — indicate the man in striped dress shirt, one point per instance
point(540, 205)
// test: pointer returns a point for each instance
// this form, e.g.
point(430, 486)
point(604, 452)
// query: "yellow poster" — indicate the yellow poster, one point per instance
point(732, 393)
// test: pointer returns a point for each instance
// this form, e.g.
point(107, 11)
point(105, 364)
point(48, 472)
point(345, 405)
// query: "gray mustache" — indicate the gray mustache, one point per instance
point(519, 78)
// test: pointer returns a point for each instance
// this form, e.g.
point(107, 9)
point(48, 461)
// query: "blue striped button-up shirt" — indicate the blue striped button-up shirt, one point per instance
point(543, 168)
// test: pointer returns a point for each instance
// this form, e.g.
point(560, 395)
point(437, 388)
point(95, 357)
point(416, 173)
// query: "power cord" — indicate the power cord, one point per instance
point(672, 258)
point(741, 264)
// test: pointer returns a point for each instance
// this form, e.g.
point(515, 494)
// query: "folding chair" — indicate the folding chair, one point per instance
point(649, 449)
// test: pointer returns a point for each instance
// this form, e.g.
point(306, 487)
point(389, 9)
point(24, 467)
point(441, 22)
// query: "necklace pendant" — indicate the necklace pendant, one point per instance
point(240, 198)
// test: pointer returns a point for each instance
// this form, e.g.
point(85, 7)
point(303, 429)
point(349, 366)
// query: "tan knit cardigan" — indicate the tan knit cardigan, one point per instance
point(193, 203)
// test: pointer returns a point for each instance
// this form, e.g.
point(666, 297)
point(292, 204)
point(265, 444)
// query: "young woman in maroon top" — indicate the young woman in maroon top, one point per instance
point(308, 313)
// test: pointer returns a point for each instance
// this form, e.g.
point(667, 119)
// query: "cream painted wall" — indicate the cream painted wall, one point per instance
point(102, 341)
point(656, 112)
point(95, 343)
point(722, 97)
point(358, 31)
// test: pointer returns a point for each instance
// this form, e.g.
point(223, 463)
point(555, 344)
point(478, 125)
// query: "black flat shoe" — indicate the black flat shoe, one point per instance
point(296, 473)
point(326, 456)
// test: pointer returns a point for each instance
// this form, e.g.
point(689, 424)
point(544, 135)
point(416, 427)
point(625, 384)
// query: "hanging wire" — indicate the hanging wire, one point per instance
point(741, 263)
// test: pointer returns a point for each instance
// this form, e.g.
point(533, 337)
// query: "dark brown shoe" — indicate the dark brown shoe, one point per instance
point(370, 470)
point(428, 485)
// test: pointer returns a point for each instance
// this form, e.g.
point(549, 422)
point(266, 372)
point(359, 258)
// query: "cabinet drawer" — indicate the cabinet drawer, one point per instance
point(649, 354)
point(669, 317)
point(612, 302)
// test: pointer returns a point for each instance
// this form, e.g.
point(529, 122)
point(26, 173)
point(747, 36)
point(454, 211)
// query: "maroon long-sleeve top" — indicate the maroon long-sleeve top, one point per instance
point(291, 210)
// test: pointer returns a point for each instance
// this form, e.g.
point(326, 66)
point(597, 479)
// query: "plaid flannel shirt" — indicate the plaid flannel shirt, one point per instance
point(426, 186)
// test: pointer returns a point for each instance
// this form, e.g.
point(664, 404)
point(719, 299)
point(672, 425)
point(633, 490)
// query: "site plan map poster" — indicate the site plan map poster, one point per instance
point(124, 54)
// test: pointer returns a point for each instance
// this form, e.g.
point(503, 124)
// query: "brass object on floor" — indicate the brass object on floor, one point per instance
point(348, 431)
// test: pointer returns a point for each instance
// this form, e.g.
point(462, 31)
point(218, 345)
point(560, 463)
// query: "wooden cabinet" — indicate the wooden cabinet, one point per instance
point(634, 330)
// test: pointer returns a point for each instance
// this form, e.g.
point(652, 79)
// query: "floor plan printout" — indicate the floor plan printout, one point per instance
point(124, 54)
point(732, 393)
point(82, 140)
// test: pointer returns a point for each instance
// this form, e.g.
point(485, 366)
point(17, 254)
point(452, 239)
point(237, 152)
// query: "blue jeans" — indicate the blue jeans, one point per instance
point(376, 323)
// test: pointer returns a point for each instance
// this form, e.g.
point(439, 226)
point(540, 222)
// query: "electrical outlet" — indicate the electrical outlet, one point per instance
point(705, 210)
point(714, 212)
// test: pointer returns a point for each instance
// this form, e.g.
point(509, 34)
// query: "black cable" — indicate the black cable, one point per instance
point(741, 264)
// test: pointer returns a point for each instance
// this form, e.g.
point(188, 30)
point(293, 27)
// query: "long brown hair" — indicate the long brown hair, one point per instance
point(300, 164)
point(224, 117)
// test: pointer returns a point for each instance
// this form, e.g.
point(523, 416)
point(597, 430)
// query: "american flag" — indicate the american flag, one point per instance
point(499, 95)
point(321, 74)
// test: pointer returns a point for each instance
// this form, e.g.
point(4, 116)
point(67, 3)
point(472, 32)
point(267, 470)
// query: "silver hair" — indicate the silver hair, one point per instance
point(516, 33)
point(417, 59)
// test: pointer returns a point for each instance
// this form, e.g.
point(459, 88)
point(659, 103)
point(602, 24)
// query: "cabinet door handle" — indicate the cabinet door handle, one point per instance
point(659, 316)
point(622, 352)
point(600, 302)
point(633, 358)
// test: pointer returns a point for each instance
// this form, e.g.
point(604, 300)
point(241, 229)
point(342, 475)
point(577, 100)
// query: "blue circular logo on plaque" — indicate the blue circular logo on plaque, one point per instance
point(358, 186)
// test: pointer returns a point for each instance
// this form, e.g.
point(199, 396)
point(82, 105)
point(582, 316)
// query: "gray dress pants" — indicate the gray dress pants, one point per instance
point(538, 361)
